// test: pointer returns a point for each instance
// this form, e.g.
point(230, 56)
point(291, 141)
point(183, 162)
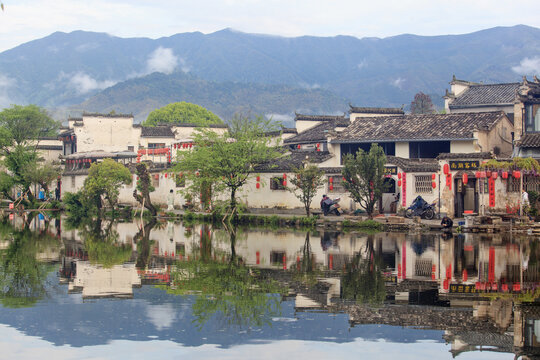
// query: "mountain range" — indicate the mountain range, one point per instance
point(229, 71)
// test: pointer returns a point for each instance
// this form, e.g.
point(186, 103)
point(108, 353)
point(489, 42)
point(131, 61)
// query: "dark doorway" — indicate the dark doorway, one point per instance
point(465, 197)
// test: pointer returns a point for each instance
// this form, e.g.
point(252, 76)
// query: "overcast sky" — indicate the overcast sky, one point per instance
point(25, 20)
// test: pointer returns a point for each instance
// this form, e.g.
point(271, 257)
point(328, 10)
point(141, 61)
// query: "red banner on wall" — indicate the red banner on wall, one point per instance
point(491, 190)
point(404, 190)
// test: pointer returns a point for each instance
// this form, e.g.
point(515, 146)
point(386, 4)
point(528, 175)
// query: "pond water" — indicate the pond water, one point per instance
point(137, 290)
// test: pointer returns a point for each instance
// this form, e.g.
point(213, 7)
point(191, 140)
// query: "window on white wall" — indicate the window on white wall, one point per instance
point(337, 184)
point(422, 184)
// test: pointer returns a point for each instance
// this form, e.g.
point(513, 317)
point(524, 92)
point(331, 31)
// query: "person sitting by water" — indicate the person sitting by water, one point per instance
point(325, 204)
point(447, 223)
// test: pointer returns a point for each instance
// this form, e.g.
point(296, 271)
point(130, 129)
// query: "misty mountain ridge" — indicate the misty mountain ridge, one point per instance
point(96, 71)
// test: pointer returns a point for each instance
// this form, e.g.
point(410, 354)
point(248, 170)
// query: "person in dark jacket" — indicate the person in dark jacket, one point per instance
point(447, 223)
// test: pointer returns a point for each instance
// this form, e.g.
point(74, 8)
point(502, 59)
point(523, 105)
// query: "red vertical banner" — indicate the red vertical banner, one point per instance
point(284, 262)
point(404, 190)
point(491, 190)
point(258, 254)
point(491, 264)
point(404, 260)
point(331, 262)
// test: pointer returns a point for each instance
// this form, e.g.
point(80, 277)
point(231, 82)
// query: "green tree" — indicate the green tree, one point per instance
point(306, 183)
point(183, 113)
point(104, 180)
point(21, 127)
point(422, 104)
point(42, 174)
point(364, 176)
point(227, 160)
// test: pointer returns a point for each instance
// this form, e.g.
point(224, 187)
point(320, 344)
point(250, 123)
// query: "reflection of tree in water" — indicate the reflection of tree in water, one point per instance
point(363, 278)
point(102, 245)
point(142, 239)
point(305, 270)
point(228, 290)
point(22, 277)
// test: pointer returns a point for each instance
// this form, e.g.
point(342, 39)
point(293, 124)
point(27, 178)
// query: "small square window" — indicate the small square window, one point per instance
point(276, 183)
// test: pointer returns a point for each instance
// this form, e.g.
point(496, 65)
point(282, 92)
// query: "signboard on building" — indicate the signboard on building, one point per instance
point(464, 165)
point(462, 289)
point(390, 170)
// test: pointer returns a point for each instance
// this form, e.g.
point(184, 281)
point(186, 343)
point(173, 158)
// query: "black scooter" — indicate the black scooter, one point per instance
point(420, 207)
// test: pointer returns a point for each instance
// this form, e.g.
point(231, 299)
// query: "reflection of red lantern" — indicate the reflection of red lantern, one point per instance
point(433, 184)
point(488, 174)
point(465, 179)
point(504, 287)
point(399, 183)
point(505, 174)
point(517, 174)
point(432, 176)
point(446, 169)
point(298, 147)
point(465, 275)
point(517, 286)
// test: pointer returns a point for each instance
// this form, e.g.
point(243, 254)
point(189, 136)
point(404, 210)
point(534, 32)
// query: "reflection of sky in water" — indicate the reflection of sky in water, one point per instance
point(155, 323)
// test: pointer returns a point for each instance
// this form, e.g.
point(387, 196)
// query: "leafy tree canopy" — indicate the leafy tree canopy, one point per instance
point(228, 159)
point(104, 179)
point(24, 124)
point(184, 113)
point(364, 176)
point(306, 183)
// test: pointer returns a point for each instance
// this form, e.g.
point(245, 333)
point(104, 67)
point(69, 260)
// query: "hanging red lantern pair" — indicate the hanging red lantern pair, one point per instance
point(446, 169)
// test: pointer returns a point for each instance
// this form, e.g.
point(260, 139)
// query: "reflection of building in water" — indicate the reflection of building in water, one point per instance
point(96, 281)
point(527, 330)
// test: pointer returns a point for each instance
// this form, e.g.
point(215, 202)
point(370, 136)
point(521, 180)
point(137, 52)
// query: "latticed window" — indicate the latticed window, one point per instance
point(180, 180)
point(276, 183)
point(422, 184)
point(512, 184)
point(483, 187)
point(531, 183)
point(337, 184)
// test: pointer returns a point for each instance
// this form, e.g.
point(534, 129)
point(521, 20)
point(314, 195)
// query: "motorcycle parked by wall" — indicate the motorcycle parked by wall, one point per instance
point(420, 207)
point(332, 207)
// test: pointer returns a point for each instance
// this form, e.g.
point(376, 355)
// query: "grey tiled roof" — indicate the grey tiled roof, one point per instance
point(106, 115)
point(157, 131)
point(418, 127)
point(318, 132)
point(530, 140)
point(376, 110)
point(414, 165)
point(478, 155)
point(318, 117)
point(491, 94)
point(294, 160)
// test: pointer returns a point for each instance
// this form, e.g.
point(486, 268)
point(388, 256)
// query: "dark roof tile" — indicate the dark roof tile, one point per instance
point(318, 117)
point(418, 127)
point(157, 131)
point(414, 165)
point(376, 110)
point(530, 140)
point(491, 94)
point(478, 155)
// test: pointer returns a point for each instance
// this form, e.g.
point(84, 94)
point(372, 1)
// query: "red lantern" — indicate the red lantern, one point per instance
point(399, 176)
point(465, 179)
point(258, 178)
point(165, 175)
point(432, 176)
point(331, 187)
point(517, 174)
point(284, 182)
point(505, 174)
point(488, 174)
point(284, 176)
point(494, 175)
point(298, 146)
point(433, 184)
point(399, 183)
point(258, 185)
point(331, 180)
point(446, 169)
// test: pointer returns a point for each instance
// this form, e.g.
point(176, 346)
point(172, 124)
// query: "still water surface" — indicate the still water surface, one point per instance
point(131, 290)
